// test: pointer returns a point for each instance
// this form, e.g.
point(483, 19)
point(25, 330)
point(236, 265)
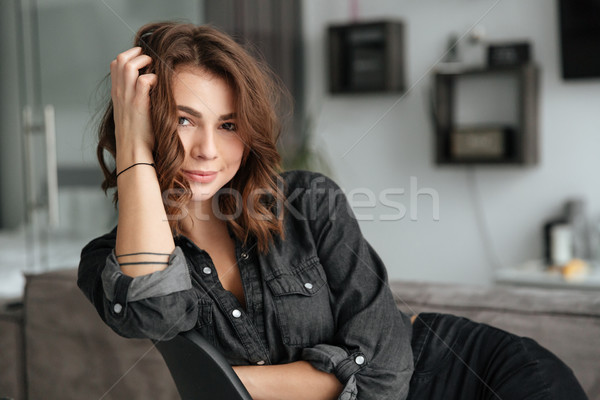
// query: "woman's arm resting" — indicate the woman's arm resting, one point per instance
point(143, 225)
point(370, 351)
point(295, 381)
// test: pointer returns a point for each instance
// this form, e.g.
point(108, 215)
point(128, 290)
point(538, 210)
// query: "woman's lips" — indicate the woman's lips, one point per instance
point(201, 176)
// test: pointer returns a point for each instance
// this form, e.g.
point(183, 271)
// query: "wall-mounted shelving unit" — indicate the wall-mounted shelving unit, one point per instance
point(366, 57)
point(486, 115)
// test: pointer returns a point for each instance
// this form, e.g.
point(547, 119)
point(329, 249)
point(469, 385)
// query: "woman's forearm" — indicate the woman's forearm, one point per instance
point(294, 381)
point(143, 224)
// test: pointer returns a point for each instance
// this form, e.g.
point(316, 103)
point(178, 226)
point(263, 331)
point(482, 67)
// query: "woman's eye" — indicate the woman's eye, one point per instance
point(183, 121)
point(229, 126)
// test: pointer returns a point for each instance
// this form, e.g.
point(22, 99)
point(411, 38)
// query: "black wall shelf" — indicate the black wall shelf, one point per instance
point(487, 142)
point(366, 57)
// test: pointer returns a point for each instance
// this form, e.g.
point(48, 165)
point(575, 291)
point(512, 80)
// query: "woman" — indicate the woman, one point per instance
point(271, 268)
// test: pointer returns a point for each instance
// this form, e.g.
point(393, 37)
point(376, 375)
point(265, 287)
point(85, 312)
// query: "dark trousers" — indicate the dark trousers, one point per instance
point(456, 358)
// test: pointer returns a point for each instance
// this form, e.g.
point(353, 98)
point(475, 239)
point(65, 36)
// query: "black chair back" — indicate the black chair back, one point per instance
point(199, 370)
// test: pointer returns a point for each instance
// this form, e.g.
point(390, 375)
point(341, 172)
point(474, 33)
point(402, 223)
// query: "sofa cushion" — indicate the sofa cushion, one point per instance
point(72, 354)
point(567, 322)
point(12, 379)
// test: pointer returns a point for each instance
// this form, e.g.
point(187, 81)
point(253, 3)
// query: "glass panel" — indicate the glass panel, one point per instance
point(64, 48)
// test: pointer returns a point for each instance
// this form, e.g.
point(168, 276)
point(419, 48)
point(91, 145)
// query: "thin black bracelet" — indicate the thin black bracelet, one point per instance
point(144, 262)
point(135, 254)
point(133, 165)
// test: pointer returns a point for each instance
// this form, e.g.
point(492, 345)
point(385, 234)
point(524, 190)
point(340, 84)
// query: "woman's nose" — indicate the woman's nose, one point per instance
point(205, 145)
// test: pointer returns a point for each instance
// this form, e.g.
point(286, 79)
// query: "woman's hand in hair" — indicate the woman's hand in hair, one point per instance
point(131, 100)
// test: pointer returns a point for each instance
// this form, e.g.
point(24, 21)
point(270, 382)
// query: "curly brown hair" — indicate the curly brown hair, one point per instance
point(257, 95)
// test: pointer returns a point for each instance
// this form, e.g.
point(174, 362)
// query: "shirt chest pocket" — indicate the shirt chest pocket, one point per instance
point(302, 307)
point(204, 325)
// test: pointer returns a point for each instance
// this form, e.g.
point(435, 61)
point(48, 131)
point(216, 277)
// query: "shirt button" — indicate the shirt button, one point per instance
point(236, 313)
point(308, 285)
point(206, 270)
point(117, 308)
point(244, 255)
point(261, 362)
point(360, 360)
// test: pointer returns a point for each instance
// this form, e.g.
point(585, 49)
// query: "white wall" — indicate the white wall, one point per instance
point(516, 201)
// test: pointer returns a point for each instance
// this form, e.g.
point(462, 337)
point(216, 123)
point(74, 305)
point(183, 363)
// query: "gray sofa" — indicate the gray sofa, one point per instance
point(567, 322)
point(53, 345)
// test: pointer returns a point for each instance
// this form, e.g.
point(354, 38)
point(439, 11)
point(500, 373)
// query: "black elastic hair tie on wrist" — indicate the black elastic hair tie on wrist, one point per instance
point(143, 252)
point(133, 165)
point(144, 262)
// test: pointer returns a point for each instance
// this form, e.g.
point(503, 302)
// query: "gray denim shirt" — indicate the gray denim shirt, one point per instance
point(320, 295)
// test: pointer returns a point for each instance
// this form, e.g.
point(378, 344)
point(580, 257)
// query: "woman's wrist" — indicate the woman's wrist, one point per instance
point(131, 153)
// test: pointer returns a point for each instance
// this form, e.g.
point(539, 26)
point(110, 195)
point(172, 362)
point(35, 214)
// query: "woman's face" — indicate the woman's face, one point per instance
point(207, 129)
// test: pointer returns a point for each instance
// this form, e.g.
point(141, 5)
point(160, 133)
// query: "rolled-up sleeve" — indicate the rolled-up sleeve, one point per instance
point(370, 353)
point(155, 306)
point(335, 360)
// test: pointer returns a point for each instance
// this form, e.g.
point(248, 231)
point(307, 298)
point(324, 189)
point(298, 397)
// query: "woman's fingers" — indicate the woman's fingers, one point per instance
point(131, 72)
point(131, 100)
point(127, 54)
point(136, 63)
point(143, 85)
point(124, 57)
point(125, 71)
point(117, 64)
